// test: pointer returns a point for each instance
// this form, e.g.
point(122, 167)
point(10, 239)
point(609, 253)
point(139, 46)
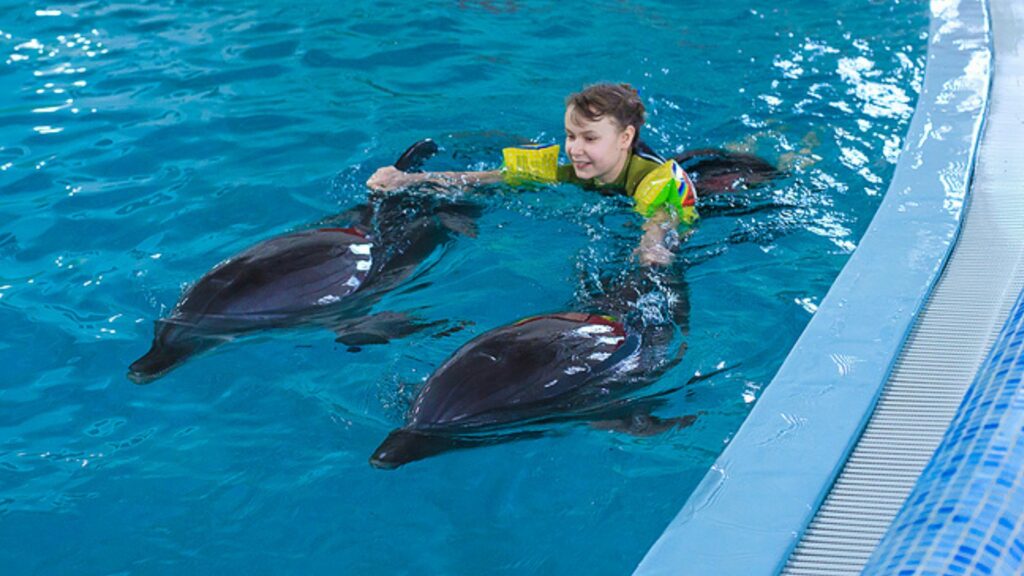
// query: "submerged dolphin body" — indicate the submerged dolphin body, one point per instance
point(542, 369)
point(714, 170)
point(326, 276)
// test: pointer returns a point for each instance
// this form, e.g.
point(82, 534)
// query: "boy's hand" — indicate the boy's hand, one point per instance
point(653, 249)
point(654, 255)
point(389, 178)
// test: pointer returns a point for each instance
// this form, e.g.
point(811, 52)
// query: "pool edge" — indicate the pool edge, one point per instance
point(751, 508)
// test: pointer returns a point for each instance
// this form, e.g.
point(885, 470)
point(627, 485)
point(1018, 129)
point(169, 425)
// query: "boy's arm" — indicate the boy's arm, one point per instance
point(652, 249)
point(390, 178)
point(519, 163)
point(666, 197)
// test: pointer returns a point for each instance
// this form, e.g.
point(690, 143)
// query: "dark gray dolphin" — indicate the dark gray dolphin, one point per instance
point(561, 366)
point(715, 170)
point(513, 374)
point(328, 276)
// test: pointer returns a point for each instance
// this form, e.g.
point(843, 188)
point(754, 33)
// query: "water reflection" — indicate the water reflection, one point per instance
point(55, 61)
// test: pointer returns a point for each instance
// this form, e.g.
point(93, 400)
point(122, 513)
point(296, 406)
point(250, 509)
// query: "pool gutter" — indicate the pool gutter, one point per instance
point(748, 514)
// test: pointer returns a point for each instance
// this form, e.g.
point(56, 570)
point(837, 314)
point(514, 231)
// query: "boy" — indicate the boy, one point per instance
point(602, 128)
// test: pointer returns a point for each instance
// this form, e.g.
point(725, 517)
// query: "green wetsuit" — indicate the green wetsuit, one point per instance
point(637, 167)
point(646, 178)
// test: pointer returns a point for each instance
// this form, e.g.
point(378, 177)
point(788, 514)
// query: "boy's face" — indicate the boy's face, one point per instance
point(597, 149)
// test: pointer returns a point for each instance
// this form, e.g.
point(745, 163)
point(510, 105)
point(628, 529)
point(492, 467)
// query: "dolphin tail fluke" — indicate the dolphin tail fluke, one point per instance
point(404, 446)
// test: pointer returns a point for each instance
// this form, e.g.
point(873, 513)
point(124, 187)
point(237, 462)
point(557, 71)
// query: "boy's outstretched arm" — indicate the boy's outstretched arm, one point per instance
point(390, 178)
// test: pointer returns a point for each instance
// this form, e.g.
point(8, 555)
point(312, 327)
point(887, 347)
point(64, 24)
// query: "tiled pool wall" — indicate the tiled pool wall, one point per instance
point(965, 513)
point(750, 510)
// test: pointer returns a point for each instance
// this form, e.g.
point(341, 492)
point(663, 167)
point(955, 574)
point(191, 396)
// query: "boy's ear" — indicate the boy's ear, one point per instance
point(628, 136)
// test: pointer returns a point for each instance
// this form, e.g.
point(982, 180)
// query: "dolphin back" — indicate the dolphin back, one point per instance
point(516, 372)
point(279, 277)
point(530, 369)
point(273, 282)
point(510, 372)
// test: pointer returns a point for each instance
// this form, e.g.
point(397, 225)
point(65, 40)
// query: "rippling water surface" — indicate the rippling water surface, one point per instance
point(140, 144)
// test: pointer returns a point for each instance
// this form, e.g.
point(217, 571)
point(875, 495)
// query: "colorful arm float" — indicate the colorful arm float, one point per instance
point(667, 186)
point(532, 163)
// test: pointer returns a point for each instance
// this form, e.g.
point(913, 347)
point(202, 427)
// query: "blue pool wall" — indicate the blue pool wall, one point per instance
point(749, 511)
point(964, 513)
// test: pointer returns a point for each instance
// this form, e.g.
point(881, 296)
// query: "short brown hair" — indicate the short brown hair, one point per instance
point(619, 101)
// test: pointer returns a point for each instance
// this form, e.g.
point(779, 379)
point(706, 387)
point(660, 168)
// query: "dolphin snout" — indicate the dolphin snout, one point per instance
point(153, 365)
point(404, 446)
point(161, 359)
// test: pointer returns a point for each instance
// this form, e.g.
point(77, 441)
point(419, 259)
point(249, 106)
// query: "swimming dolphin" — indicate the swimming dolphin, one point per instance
point(715, 170)
point(541, 369)
point(329, 276)
point(325, 276)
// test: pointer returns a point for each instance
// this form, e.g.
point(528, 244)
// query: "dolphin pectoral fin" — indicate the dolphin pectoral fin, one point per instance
point(382, 332)
point(452, 329)
point(360, 217)
point(379, 328)
point(643, 424)
point(459, 224)
point(362, 338)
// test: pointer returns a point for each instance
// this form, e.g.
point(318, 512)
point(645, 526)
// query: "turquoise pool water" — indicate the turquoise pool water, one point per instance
point(140, 144)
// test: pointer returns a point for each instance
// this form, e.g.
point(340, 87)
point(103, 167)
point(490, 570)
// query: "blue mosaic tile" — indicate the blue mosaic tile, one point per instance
point(966, 512)
point(1015, 555)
